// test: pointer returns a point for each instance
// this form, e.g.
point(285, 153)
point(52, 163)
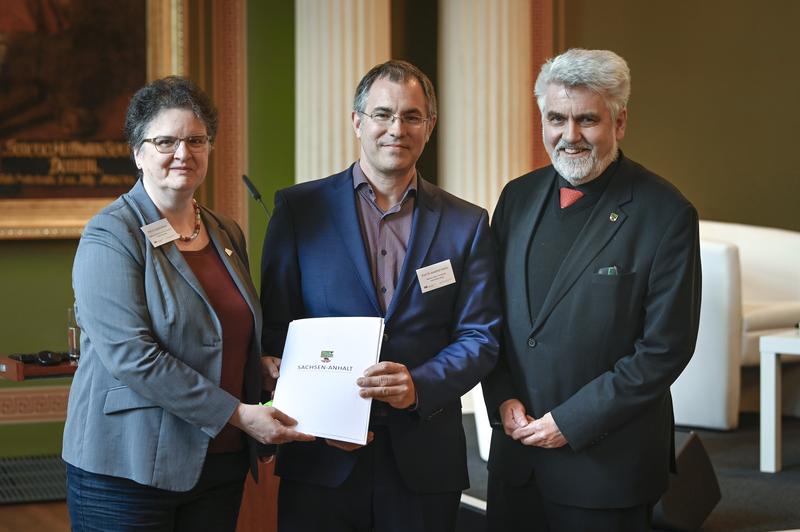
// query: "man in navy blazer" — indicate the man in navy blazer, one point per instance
point(356, 244)
point(601, 285)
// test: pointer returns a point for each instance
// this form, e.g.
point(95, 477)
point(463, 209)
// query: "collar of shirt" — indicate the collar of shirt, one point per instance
point(596, 186)
point(360, 182)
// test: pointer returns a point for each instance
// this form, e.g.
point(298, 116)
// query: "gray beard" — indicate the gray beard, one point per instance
point(580, 171)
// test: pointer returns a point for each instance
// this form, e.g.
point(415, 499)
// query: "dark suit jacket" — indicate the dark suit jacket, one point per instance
point(315, 265)
point(604, 349)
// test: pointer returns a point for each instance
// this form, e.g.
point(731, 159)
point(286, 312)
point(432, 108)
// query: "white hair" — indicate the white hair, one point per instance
point(601, 71)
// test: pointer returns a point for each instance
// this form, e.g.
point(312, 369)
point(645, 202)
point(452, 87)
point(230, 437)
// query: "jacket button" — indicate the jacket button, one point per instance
point(531, 342)
point(385, 338)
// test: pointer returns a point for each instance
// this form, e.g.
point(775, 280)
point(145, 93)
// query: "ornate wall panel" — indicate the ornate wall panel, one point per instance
point(33, 404)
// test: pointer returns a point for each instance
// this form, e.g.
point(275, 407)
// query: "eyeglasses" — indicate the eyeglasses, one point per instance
point(384, 118)
point(166, 144)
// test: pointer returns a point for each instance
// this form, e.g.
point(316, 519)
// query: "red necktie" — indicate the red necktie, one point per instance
point(569, 196)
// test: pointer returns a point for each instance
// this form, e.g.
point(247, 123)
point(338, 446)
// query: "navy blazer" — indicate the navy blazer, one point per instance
point(315, 265)
point(146, 400)
point(604, 349)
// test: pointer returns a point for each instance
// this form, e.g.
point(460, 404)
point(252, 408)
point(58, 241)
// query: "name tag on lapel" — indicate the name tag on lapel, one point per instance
point(436, 276)
point(160, 232)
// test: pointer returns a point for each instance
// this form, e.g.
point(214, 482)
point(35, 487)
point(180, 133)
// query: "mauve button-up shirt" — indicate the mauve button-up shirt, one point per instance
point(385, 234)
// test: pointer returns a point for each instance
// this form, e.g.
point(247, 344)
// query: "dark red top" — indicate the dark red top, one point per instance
point(237, 332)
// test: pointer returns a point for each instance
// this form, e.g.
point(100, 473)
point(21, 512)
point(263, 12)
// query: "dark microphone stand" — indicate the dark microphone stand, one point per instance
point(255, 193)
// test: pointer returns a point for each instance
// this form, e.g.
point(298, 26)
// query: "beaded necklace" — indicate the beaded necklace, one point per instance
point(196, 223)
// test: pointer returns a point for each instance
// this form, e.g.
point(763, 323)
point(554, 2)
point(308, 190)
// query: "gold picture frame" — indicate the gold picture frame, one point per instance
point(64, 218)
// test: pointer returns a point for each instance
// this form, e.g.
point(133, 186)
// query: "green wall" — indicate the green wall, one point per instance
point(714, 97)
point(270, 86)
point(35, 291)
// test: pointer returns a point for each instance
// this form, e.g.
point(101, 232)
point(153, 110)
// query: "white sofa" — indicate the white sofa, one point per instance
point(751, 286)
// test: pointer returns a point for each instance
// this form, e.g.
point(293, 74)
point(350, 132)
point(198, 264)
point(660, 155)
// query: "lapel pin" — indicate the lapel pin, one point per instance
point(613, 216)
point(228, 252)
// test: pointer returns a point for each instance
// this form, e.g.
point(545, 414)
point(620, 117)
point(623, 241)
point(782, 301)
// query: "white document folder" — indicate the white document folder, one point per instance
point(321, 361)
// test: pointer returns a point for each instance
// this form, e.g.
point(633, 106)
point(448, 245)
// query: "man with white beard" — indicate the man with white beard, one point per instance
point(601, 291)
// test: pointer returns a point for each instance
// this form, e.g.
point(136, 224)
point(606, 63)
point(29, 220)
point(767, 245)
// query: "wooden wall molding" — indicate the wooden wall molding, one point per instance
point(166, 38)
point(179, 43)
point(229, 66)
point(33, 404)
point(543, 37)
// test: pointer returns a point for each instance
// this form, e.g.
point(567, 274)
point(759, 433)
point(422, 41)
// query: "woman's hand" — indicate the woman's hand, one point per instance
point(266, 424)
point(270, 371)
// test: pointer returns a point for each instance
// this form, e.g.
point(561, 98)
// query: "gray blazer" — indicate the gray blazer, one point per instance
point(146, 400)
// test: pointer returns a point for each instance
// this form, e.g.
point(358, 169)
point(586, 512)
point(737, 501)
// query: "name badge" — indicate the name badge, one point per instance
point(160, 232)
point(436, 276)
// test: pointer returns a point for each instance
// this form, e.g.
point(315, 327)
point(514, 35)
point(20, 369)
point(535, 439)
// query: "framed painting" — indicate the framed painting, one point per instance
point(67, 71)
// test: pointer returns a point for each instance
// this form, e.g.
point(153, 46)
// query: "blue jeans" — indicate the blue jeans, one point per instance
point(103, 503)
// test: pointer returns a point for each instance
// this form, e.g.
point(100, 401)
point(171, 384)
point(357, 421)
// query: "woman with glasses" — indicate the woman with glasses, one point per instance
point(163, 418)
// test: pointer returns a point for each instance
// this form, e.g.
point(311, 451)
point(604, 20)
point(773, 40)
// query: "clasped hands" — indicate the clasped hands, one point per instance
point(517, 424)
point(389, 382)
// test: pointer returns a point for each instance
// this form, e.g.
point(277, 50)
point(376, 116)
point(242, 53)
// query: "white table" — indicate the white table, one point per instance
point(772, 348)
